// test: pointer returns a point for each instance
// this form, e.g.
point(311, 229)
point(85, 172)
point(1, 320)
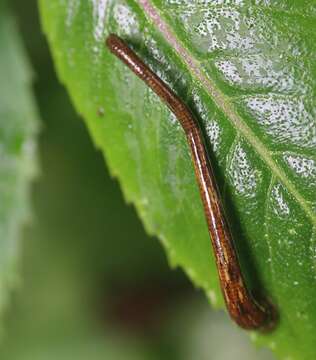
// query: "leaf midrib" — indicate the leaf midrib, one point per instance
point(223, 102)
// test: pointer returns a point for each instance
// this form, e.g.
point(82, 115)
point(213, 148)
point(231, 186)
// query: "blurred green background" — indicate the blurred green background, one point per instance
point(93, 285)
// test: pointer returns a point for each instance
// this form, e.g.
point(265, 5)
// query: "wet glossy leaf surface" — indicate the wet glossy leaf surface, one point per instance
point(18, 128)
point(248, 73)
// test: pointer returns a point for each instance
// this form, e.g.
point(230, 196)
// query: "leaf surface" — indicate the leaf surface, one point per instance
point(247, 71)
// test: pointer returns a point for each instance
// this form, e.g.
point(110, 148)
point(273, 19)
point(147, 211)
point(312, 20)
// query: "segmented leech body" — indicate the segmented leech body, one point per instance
point(243, 308)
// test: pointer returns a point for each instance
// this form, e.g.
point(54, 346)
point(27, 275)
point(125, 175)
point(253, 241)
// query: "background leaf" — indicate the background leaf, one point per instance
point(247, 72)
point(18, 128)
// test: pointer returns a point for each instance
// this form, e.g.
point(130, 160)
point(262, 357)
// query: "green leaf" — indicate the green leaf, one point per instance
point(18, 127)
point(247, 70)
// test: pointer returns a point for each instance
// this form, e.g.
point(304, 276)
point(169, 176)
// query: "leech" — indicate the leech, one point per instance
point(243, 308)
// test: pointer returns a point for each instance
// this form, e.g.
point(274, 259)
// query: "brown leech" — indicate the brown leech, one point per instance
point(241, 305)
